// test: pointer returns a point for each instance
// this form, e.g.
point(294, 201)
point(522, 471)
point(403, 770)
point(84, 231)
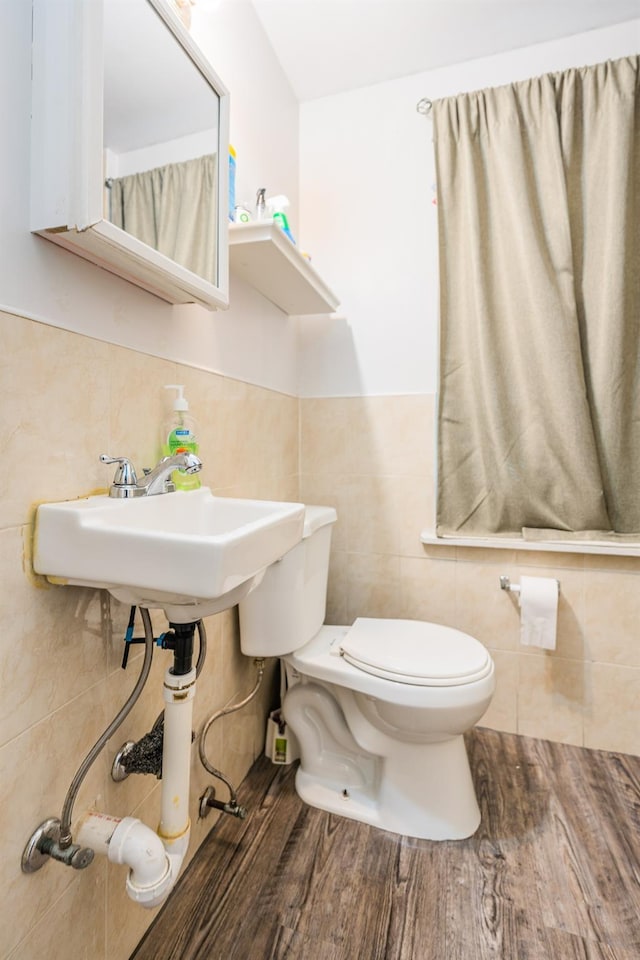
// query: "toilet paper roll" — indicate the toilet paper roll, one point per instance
point(538, 612)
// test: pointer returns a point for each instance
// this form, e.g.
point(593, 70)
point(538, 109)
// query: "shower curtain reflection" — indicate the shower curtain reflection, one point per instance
point(172, 209)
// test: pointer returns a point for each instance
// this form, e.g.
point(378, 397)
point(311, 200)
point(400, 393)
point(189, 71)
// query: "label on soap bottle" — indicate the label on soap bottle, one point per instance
point(181, 440)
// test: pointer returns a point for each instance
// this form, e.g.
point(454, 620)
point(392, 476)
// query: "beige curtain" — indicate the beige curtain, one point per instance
point(173, 210)
point(539, 232)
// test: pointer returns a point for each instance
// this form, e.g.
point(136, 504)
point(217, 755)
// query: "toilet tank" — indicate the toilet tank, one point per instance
point(287, 607)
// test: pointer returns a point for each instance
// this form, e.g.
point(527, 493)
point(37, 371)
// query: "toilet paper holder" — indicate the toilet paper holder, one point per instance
point(505, 584)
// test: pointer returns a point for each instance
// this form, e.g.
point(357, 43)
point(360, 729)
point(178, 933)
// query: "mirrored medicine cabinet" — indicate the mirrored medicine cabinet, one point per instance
point(130, 146)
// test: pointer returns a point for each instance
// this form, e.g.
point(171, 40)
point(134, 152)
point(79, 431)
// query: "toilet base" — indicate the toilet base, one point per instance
point(438, 804)
point(421, 790)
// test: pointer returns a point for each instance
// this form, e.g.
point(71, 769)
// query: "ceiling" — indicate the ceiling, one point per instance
point(329, 46)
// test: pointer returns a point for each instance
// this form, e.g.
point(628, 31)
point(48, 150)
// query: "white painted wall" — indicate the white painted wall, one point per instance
point(365, 210)
point(367, 171)
point(253, 340)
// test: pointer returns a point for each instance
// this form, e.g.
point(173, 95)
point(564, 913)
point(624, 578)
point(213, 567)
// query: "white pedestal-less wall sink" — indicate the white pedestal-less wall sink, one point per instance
point(191, 553)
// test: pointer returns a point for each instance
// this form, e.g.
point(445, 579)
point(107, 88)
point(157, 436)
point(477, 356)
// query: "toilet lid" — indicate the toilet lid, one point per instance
point(412, 651)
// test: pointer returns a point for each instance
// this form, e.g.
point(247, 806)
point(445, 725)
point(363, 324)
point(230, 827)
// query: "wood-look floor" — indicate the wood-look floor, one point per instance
point(553, 872)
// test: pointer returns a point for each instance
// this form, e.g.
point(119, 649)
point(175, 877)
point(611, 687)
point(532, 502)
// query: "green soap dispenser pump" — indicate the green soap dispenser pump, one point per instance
point(180, 436)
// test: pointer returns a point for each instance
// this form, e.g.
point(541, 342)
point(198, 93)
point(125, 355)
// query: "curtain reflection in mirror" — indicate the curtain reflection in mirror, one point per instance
point(172, 209)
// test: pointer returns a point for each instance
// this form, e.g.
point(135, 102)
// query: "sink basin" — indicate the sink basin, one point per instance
point(190, 553)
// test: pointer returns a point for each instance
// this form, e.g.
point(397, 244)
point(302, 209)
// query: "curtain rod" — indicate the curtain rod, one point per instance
point(424, 106)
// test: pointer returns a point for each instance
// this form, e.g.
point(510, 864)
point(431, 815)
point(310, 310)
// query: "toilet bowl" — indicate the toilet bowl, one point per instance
point(379, 708)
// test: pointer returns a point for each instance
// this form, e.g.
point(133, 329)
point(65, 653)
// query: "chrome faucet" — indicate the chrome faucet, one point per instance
point(126, 484)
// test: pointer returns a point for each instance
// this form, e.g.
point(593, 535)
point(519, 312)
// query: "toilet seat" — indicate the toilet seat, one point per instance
point(415, 652)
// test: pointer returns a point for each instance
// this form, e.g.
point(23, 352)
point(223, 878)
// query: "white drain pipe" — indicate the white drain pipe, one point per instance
point(175, 825)
point(130, 841)
point(178, 693)
point(155, 859)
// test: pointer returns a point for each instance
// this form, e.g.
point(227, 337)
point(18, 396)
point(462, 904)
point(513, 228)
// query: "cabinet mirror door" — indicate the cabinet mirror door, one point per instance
point(140, 183)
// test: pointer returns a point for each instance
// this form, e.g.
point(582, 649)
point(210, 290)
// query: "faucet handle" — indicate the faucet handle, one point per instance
point(125, 474)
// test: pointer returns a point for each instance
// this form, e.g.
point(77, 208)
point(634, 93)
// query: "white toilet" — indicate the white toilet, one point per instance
point(380, 708)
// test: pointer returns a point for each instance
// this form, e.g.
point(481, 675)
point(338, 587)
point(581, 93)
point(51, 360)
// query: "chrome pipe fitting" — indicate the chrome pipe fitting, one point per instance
point(44, 843)
point(208, 802)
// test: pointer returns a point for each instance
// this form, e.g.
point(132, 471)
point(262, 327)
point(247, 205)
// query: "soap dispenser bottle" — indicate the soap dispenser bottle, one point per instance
point(179, 435)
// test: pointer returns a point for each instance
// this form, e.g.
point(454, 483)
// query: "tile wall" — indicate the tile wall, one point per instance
point(66, 399)
point(372, 458)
